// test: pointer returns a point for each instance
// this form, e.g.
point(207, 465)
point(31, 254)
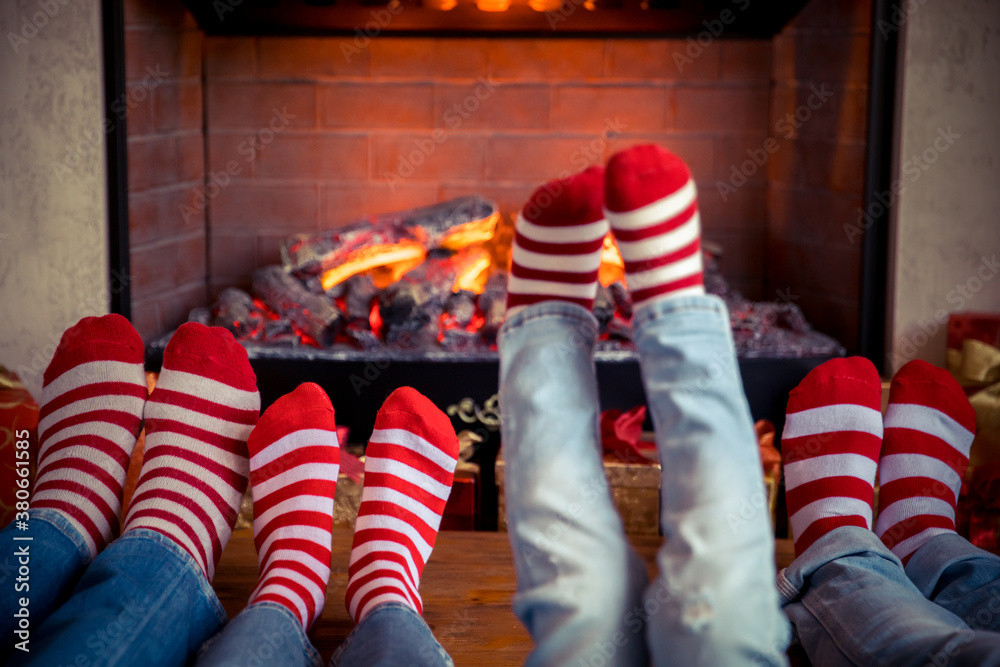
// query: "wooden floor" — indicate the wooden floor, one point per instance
point(466, 588)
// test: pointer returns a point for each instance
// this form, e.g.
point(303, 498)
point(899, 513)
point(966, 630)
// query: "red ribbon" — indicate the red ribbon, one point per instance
point(978, 512)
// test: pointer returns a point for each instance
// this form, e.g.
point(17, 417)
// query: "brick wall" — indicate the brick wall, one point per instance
point(304, 137)
point(163, 59)
point(816, 175)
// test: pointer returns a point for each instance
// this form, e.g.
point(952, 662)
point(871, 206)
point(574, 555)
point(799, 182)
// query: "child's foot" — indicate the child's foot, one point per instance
point(929, 428)
point(830, 447)
point(294, 462)
point(409, 468)
point(198, 419)
point(651, 202)
point(92, 400)
point(558, 241)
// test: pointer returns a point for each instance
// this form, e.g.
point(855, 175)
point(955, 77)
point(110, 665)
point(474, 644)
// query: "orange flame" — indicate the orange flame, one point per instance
point(612, 265)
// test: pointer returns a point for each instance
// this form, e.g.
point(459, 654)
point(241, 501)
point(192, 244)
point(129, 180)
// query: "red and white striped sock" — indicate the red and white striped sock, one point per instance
point(294, 462)
point(93, 394)
point(651, 202)
point(830, 447)
point(198, 419)
point(929, 428)
point(409, 468)
point(557, 243)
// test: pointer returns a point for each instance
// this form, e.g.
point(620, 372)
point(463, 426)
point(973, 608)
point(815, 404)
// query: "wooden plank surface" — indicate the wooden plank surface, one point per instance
point(467, 588)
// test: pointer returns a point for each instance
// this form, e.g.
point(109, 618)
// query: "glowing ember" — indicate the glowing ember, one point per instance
point(471, 233)
point(375, 320)
point(370, 257)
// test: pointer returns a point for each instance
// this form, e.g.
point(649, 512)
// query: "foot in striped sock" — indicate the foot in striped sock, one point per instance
point(557, 244)
point(198, 418)
point(93, 394)
point(409, 468)
point(929, 428)
point(294, 462)
point(651, 202)
point(830, 446)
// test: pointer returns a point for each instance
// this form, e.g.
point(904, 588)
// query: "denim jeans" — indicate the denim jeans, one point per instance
point(582, 591)
point(852, 603)
point(144, 601)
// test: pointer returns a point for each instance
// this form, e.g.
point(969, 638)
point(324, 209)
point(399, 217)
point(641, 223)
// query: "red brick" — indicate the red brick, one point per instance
point(745, 209)
point(594, 108)
point(748, 155)
point(232, 152)
point(541, 158)
point(190, 53)
point(842, 115)
point(255, 106)
point(375, 105)
point(509, 197)
point(729, 110)
point(268, 250)
point(746, 60)
point(342, 204)
point(232, 256)
point(150, 13)
point(152, 162)
point(837, 59)
point(145, 318)
point(663, 59)
point(306, 58)
point(541, 59)
point(501, 106)
point(159, 50)
point(785, 51)
point(230, 57)
point(190, 157)
point(428, 58)
point(821, 164)
point(175, 106)
point(811, 215)
point(431, 156)
point(833, 270)
point(697, 152)
point(308, 155)
point(154, 215)
point(138, 115)
point(266, 207)
point(166, 265)
point(175, 307)
point(742, 252)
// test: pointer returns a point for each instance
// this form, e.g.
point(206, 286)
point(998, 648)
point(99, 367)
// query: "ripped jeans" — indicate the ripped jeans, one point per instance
point(582, 591)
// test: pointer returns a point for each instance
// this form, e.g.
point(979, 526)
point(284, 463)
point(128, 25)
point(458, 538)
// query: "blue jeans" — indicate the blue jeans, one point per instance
point(144, 601)
point(852, 603)
point(582, 591)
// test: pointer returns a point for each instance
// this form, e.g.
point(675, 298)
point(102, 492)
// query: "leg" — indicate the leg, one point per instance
point(192, 480)
point(714, 601)
point(409, 468)
point(852, 604)
point(294, 462)
point(929, 428)
point(92, 399)
point(579, 582)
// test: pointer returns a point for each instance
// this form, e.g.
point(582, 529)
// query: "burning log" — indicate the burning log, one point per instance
point(400, 238)
point(493, 304)
point(235, 311)
point(312, 314)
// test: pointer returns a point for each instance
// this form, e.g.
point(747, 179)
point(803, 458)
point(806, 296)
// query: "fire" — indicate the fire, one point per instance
point(612, 265)
point(375, 320)
point(408, 253)
point(472, 270)
point(471, 233)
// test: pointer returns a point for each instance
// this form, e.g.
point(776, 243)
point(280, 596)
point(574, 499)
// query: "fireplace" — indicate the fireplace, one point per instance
point(247, 130)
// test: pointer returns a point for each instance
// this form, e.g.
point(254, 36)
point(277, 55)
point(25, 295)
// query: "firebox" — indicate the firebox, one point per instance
point(273, 131)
